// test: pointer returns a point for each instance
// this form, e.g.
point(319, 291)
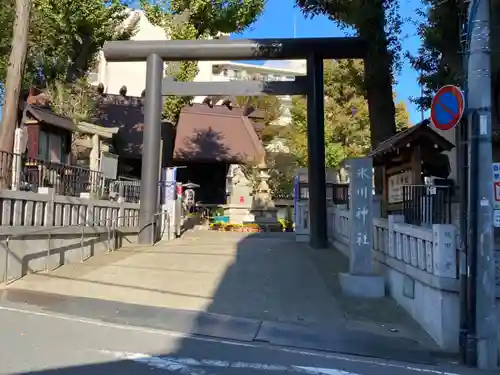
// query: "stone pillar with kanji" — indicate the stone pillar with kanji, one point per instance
point(360, 280)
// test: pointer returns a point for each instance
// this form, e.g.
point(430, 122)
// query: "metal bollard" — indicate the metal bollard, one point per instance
point(113, 237)
point(109, 235)
point(47, 258)
point(7, 250)
point(82, 245)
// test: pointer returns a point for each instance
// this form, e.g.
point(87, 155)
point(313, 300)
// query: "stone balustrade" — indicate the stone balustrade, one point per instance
point(419, 265)
point(44, 210)
point(40, 232)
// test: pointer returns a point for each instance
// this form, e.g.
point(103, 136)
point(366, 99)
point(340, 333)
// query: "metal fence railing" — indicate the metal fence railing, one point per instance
point(282, 196)
point(127, 189)
point(34, 173)
point(340, 194)
point(336, 193)
point(425, 205)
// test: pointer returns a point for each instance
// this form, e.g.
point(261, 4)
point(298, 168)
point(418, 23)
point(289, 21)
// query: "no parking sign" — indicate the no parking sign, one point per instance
point(447, 107)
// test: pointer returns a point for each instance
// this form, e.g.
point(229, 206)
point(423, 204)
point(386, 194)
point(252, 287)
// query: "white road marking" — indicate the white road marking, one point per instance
point(190, 366)
point(309, 353)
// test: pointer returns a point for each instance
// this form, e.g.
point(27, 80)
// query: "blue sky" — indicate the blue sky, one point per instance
point(278, 21)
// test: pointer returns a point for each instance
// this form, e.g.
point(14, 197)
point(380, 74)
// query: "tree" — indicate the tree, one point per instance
point(347, 123)
point(75, 100)
point(14, 74)
point(7, 14)
point(378, 22)
point(280, 165)
point(65, 37)
point(197, 19)
point(270, 107)
point(439, 61)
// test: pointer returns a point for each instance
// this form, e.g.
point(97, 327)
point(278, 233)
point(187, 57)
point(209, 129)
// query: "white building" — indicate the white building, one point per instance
point(269, 71)
point(115, 75)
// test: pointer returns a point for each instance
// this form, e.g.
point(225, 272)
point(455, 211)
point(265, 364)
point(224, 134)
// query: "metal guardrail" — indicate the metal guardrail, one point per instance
point(427, 204)
point(34, 173)
point(111, 231)
point(335, 193)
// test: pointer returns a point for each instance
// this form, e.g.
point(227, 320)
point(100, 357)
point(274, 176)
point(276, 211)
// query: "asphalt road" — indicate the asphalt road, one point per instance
point(33, 341)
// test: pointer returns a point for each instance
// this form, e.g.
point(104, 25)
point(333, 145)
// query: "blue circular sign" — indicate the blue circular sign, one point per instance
point(447, 107)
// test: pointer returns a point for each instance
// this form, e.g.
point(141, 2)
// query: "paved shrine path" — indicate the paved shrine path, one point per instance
point(240, 286)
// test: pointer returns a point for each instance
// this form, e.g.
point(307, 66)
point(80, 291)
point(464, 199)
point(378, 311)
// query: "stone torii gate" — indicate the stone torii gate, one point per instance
point(313, 50)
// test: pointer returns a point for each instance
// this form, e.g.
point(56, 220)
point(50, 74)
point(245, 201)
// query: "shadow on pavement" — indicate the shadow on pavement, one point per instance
point(274, 291)
point(283, 288)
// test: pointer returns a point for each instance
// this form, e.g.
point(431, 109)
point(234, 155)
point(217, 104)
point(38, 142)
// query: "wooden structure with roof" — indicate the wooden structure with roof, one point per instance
point(50, 135)
point(407, 157)
point(228, 124)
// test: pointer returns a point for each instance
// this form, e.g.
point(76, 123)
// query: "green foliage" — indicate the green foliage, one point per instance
point(77, 100)
point(197, 19)
point(439, 61)
point(347, 124)
point(282, 167)
point(65, 37)
point(377, 21)
point(6, 20)
point(402, 116)
point(270, 106)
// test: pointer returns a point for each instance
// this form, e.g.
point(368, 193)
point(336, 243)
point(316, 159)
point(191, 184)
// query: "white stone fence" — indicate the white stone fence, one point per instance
point(431, 250)
point(41, 232)
point(29, 209)
point(419, 265)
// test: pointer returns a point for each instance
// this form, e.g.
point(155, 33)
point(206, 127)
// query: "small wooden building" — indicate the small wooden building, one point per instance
point(50, 161)
point(406, 158)
point(49, 135)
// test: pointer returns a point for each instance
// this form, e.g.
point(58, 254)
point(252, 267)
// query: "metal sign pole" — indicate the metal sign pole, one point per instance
point(481, 185)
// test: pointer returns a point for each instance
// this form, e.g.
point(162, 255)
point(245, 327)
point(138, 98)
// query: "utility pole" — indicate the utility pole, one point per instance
point(480, 230)
point(13, 81)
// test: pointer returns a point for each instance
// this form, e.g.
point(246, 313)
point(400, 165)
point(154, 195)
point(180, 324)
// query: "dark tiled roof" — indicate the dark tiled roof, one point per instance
point(410, 134)
point(47, 116)
point(216, 133)
point(253, 113)
point(127, 114)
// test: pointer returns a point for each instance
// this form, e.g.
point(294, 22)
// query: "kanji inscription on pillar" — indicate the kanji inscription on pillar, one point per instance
point(361, 220)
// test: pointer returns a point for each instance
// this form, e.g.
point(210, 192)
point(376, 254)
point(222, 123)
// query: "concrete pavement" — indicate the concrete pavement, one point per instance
point(206, 324)
point(263, 277)
point(38, 342)
point(250, 288)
